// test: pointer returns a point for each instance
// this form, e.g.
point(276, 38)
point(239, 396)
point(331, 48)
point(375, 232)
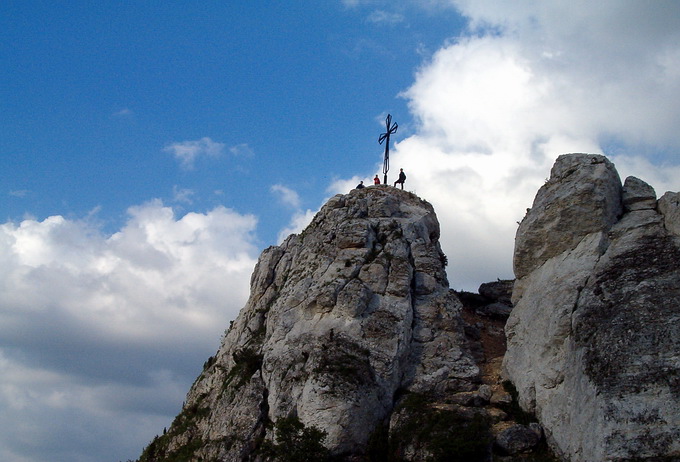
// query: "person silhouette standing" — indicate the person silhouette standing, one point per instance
point(376, 180)
point(401, 179)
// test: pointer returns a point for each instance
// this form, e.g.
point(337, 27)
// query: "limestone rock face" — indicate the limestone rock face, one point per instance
point(669, 207)
point(582, 196)
point(341, 321)
point(594, 337)
point(498, 291)
point(637, 195)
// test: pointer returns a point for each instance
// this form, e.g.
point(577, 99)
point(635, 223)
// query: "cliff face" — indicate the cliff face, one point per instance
point(594, 338)
point(351, 329)
point(342, 321)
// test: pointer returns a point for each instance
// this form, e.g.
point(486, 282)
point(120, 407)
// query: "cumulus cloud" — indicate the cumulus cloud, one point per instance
point(107, 332)
point(298, 222)
point(525, 83)
point(529, 82)
point(343, 186)
point(186, 152)
point(300, 218)
point(286, 195)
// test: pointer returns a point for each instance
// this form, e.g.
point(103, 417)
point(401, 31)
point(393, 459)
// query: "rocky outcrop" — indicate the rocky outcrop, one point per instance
point(344, 322)
point(594, 338)
point(352, 338)
point(583, 189)
point(669, 207)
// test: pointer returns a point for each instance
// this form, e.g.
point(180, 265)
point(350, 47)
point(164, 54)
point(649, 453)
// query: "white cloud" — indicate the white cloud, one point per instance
point(182, 195)
point(188, 151)
point(611, 66)
point(242, 150)
point(298, 222)
point(527, 82)
point(91, 324)
point(664, 177)
point(286, 195)
point(385, 17)
point(342, 186)
point(300, 218)
point(496, 109)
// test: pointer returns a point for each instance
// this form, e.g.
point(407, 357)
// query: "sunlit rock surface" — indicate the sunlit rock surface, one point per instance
point(342, 320)
point(594, 337)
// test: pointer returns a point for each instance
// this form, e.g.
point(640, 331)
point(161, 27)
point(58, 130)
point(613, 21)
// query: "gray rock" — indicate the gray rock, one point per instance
point(537, 429)
point(501, 398)
point(516, 439)
point(669, 207)
point(594, 337)
point(495, 310)
point(496, 415)
point(582, 196)
point(637, 195)
point(497, 291)
point(469, 398)
point(485, 392)
point(340, 319)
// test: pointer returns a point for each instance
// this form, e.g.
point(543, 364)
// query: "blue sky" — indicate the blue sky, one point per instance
point(94, 95)
point(150, 151)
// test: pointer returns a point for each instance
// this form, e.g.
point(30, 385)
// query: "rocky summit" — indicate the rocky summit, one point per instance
point(352, 347)
point(343, 321)
point(594, 336)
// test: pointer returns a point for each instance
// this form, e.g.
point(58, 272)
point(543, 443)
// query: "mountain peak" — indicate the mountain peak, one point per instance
point(342, 320)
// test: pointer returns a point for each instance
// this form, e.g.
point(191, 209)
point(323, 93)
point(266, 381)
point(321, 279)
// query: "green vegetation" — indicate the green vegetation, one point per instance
point(448, 435)
point(211, 360)
point(248, 361)
point(379, 443)
point(157, 450)
point(187, 418)
point(347, 362)
point(295, 442)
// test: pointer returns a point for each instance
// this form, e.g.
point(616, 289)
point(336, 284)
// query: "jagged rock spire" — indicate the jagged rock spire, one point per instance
point(342, 320)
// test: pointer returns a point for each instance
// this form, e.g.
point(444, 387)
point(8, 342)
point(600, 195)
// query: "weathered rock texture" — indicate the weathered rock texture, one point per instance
point(594, 336)
point(342, 320)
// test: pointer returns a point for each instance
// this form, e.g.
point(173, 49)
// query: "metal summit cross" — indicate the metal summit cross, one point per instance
point(390, 128)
